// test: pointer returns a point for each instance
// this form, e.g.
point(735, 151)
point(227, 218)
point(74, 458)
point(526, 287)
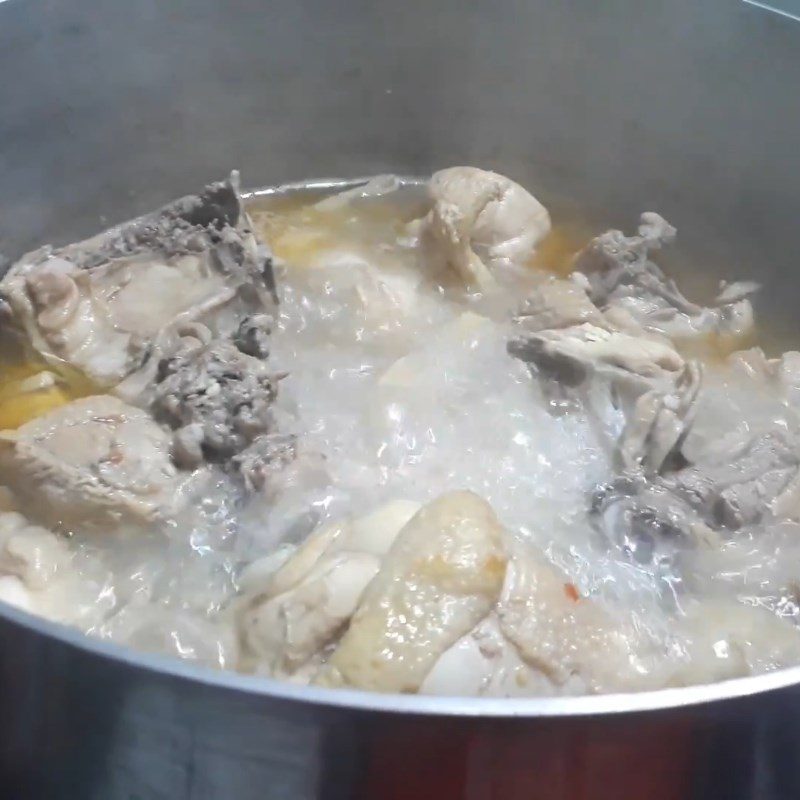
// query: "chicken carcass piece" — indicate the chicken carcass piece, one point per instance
point(101, 305)
point(570, 639)
point(479, 218)
point(744, 479)
point(567, 339)
point(217, 400)
point(627, 285)
point(95, 460)
point(442, 576)
point(291, 615)
point(743, 482)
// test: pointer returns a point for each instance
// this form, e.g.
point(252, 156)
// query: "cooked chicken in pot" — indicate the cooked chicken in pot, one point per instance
point(371, 438)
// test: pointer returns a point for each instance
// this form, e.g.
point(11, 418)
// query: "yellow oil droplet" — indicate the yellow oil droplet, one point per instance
point(23, 398)
point(556, 252)
point(16, 411)
point(298, 242)
point(299, 232)
point(296, 230)
point(717, 347)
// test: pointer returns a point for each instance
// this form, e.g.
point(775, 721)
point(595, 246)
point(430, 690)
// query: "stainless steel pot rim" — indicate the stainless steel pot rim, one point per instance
point(533, 707)
point(326, 185)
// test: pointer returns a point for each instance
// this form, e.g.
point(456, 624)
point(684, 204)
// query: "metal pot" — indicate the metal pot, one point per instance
point(108, 109)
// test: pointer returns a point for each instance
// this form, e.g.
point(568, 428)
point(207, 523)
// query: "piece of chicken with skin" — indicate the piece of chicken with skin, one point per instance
point(542, 638)
point(659, 422)
point(96, 461)
point(725, 639)
point(571, 355)
point(290, 614)
point(480, 218)
point(571, 639)
point(568, 340)
point(29, 552)
point(441, 577)
point(559, 304)
point(626, 284)
point(485, 663)
point(37, 573)
point(91, 305)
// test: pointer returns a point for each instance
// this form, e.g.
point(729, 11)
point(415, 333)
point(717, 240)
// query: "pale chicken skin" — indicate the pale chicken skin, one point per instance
point(478, 218)
point(95, 460)
point(304, 605)
point(441, 576)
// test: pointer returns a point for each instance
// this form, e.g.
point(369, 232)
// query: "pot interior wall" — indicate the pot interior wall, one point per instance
point(682, 107)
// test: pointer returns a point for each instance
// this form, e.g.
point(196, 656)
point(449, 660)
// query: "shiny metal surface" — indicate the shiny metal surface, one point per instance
point(109, 109)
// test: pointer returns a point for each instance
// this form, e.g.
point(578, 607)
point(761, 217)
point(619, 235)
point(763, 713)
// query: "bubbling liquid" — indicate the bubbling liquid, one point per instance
point(402, 386)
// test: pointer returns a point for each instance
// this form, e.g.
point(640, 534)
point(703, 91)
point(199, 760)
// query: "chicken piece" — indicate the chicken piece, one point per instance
point(744, 481)
point(30, 553)
point(485, 663)
point(566, 340)
point(646, 521)
point(567, 337)
point(659, 423)
point(558, 304)
point(217, 400)
point(441, 577)
point(612, 258)
point(94, 461)
point(37, 574)
point(290, 616)
point(285, 632)
point(92, 305)
point(253, 334)
point(726, 639)
point(262, 464)
point(567, 637)
point(478, 218)
point(622, 278)
point(571, 355)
